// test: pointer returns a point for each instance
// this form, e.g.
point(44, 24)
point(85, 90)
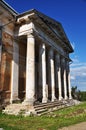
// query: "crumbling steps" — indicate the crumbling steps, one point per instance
point(40, 109)
point(14, 109)
point(48, 107)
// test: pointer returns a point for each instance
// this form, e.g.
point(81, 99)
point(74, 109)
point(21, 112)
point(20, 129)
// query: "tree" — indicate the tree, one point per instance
point(83, 96)
point(76, 94)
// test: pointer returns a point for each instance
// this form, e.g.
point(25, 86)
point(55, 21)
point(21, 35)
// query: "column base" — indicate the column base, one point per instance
point(65, 97)
point(17, 100)
point(44, 100)
point(53, 99)
point(28, 102)
point(60, 98)
point(70, 97)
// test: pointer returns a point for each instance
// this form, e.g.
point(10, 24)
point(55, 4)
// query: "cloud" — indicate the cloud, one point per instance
point(78, 74)
point(72, 77)
point(78, 69)
point(78, 64)
point(73, 45)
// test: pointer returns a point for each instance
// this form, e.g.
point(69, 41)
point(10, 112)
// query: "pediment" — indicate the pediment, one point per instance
point(54, 26)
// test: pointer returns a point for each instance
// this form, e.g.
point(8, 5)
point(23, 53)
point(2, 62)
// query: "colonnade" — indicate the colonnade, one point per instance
point(30, 74)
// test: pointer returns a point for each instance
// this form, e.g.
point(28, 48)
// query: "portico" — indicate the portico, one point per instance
point(47, 63)
point(34, 58)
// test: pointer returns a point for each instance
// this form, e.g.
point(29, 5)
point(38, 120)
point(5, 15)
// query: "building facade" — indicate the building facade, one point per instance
point(34, 57)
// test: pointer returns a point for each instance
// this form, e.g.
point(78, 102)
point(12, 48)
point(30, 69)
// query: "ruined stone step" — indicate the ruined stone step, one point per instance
point(50, 110)
point(10, 112)
point(47, 104)
point(14, 107)
point(41, 111)
point(48, 107)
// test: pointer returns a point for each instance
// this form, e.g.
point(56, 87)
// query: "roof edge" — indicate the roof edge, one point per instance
point(9, 8)
point(41, 15)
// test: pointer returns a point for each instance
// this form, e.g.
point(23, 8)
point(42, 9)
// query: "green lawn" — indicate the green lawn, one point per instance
point(52, 121)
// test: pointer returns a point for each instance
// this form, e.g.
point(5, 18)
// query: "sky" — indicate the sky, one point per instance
point(72, 15)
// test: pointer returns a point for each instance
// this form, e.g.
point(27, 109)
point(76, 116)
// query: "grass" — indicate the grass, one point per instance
point(52, 121)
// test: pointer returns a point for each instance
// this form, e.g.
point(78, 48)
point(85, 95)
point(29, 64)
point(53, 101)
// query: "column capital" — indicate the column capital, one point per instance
point(51, 53)
point(43, 45)
point(63, 59)
point(30, 35)
point(57, 55)
point(67, 66)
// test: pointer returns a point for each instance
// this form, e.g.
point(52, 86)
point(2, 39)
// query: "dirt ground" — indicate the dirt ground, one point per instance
point(80, 126)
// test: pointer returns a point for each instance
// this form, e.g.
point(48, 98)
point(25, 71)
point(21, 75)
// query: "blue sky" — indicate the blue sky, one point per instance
point(72, 15)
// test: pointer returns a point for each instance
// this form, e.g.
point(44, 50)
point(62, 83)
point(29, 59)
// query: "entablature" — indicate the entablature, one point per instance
point(43, 34)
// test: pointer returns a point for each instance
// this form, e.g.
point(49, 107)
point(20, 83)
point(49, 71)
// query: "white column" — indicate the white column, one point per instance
point(69, 84)
point(65, 80)
point(52, 75)
point(59, 76)
point(44, 86)
point(30, 71)
point(15, 73)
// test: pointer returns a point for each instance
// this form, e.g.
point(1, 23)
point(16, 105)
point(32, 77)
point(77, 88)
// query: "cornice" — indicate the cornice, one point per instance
point(42, 19)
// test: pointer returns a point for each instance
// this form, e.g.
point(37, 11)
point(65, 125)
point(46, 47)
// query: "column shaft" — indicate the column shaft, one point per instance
point(15, 73)
point(30, 71)
point(69, 84)
point(52, 75)
point(59, 76)
point(65, 81)
point(44, 86)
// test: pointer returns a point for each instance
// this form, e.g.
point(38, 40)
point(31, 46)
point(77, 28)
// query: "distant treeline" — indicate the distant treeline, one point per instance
point(77, 94)
point(83, 96)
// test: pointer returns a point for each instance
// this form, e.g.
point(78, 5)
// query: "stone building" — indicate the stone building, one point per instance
point(34, 57)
